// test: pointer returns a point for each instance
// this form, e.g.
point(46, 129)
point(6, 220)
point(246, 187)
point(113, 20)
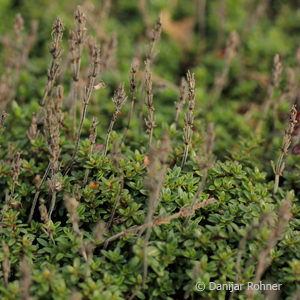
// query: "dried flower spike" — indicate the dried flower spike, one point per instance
point(150, 122)
point(287, 139)
point(118, 99)
point(189, 117)
point(154, 37)
point(181, 100)
point(149, 58)
point(55, 51)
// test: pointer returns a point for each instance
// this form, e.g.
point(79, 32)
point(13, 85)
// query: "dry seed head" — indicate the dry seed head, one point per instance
point(277, 71)
point(55, 49)
point(157, 30)
point(287, 139)
point(289, 130)
point(119, 96)
point(148, 85)
point(191, 84)
point(150, 122)
point(293, 119)
point(57, 29)
point(154, 37)
point(80, 19)
point(189, 116)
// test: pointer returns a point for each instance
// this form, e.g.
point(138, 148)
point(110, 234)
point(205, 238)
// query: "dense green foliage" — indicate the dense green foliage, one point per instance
point(241, 180)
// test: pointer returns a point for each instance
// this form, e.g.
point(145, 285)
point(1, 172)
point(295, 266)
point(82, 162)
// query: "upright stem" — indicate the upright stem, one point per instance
point(129, 118)
point(110, 128)
point(78, 137)
point(36, 196)
point(74, 102)
point(121, 179)
point(185, 155)
point(53, 200)
point(88, 92)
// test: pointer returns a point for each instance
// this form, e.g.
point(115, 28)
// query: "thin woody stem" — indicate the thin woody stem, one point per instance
point(183, 212)
point(36, 196)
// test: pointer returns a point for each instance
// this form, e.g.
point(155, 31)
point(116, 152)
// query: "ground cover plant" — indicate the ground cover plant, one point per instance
point(149, 148)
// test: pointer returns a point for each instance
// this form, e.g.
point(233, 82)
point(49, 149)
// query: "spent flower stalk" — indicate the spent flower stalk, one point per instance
point(286, 142)
point(189, 117)
point(118, 99)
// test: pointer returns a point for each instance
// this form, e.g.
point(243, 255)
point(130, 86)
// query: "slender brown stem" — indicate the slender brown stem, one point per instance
point(37, 193)
point(133, 87)
point(183, 212)
point(88, 92)
point(109, 130)
point(119, 99)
